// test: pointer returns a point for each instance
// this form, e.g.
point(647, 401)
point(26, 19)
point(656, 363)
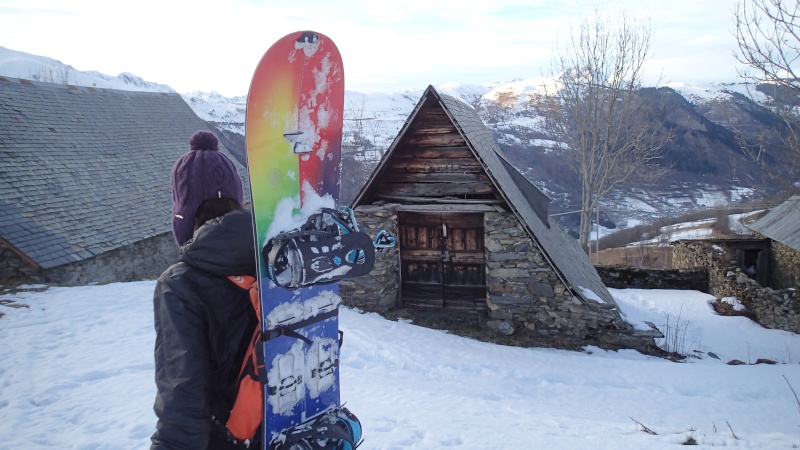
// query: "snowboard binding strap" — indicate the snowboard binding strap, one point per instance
point(328, 248)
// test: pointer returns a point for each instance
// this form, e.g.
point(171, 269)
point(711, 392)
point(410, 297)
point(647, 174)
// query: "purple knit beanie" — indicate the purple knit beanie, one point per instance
point(201, 174)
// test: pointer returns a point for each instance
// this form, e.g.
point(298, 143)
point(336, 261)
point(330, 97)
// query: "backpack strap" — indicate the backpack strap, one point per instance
point(250, 284)
point(248, 408)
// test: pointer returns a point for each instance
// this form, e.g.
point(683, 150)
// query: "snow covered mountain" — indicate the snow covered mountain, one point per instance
point(41, 68)
point(708, 167)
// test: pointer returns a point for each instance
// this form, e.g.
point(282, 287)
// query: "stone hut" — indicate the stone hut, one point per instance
point(722, 260)
point(782, 227)
point(85, 181)
point(474, 238)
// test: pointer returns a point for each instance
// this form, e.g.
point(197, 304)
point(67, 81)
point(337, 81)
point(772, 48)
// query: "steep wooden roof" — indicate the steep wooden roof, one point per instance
point(515, 191)
point(782, 224)
point(84, 171)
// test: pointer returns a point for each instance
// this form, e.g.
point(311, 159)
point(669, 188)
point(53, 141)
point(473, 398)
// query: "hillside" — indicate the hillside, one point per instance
point(708, 167)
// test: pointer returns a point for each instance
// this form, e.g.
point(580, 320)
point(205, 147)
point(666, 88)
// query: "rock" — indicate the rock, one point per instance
point(736, 362)
point(765, 361)
point(501, 326)
point(541, 289)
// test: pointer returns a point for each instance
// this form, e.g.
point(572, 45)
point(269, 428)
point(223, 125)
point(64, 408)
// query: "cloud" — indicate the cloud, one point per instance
point(205, 45)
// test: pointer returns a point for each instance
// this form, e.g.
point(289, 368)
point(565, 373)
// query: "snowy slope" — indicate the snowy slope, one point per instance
point(40, 68)
point(76, 372)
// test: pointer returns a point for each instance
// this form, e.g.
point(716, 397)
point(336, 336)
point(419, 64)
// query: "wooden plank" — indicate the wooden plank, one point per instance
point(466, 257)
point(416, 152)
point(435, 189)
point(419, 272)
point(444, 208)
point(463, 220)
point(416, 256)
point(433, 219)
point(422, 295)
point(409, 177)
point(465, 275)
point(443, 201)
point(458, 165)
point(454, 291)
point(465, 239)
point(432, 128)
point(433, 113)
point(441, 140)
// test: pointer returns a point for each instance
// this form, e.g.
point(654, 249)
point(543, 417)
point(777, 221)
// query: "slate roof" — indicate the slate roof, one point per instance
point(528, 203)
point(84, 171)
point(782, 223)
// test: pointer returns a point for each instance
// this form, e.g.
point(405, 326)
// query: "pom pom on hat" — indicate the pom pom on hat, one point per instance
point(203, 140)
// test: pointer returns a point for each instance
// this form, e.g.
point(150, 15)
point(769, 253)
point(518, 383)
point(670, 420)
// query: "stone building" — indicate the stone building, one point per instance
point(85, 181)
point(782, 227)
point(474, 238)
point(763, 273)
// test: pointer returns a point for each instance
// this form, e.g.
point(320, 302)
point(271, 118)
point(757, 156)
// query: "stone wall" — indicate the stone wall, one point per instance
point(643, 278)
point(785, 266)
point(379, 290)
point(13, 269)
point(772, 308)
point(141, 260)
point(527, 298)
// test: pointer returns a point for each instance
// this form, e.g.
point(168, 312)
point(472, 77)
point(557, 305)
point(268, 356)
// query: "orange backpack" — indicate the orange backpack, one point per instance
point(248, 409)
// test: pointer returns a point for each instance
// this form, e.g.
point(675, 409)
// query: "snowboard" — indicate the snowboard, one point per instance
point(293, 132)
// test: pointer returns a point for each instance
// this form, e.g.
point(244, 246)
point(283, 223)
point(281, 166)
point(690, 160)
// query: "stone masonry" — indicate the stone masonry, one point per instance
point(526, 296)
point(772, 308)
point(379, 290)
point(785, 264)
point(145, 259)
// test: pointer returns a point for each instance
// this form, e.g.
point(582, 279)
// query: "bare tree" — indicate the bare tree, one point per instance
point(359, 144)
point(613, 132)
point(768, 37)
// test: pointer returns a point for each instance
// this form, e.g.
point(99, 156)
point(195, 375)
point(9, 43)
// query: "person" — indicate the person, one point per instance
point(203, 321)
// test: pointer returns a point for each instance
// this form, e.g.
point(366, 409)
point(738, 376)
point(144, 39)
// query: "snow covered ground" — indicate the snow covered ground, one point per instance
point(76, 372)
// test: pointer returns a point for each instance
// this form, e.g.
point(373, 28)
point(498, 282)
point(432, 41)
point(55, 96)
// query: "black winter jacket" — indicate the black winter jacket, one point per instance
point(203, 325)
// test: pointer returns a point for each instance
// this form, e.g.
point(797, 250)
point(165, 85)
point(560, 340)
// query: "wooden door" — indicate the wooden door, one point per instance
point(464, 270)
point(442, 260)
point(421, 263)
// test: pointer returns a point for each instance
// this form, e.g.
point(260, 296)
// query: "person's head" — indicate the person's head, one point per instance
point(202, 174)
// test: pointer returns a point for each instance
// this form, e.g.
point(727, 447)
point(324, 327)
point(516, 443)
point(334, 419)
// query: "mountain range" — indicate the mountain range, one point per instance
point(708, 167)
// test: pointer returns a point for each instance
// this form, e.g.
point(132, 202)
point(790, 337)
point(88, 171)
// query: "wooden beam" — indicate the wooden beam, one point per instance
point(440, 200)
point(433, 140)
point(19, 253)
point(415, 152)
point(434, 189)
point(457, 165)
point(446, 208)
point(409, 177)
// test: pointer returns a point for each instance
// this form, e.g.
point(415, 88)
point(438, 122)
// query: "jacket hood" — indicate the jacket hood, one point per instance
point(223, 246)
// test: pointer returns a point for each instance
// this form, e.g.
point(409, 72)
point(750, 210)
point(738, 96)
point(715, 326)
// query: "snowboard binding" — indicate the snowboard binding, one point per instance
point(328, 248)
point(336, 429)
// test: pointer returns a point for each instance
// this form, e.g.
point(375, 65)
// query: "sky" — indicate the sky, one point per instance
point(387, 46)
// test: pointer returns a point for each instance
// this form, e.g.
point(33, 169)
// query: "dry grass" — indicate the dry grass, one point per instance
point(650, 256)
